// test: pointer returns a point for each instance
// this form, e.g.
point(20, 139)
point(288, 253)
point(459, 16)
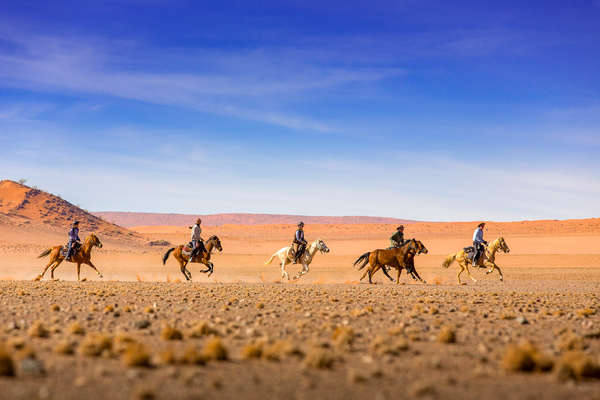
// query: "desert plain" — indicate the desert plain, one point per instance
point(143, 332)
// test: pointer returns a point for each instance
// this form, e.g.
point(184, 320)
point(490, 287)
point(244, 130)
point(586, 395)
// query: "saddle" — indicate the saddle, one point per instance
point(469, 250)
point(65, 248)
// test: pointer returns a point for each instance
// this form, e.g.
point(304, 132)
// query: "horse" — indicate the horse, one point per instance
point(203, 258)
point(83, 255)
point(398, 257)
point(486, 260)
point(286, 256)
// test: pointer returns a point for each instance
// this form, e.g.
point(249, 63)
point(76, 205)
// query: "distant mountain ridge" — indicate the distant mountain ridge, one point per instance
point(23, 206)
point(130, 219)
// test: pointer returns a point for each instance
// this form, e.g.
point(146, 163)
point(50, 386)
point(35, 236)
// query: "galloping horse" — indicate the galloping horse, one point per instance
point(486, 260)
point(286, 256)
point(81, 256)
point(203, 258)
point(399, 257)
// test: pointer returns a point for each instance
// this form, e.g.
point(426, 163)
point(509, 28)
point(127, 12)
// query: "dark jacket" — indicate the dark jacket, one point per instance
point(397, 237)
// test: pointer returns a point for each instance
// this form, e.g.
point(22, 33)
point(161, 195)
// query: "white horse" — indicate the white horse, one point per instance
point(286, 256)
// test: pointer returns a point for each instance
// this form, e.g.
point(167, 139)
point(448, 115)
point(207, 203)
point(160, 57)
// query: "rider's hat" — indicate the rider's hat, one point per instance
point(300, 223)
point(76, 223)
point(481, 225)
point(199, 220)
point(400, 227)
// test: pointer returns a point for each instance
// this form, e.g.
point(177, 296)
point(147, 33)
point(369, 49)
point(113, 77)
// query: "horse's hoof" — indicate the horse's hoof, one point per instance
point(84, 280)
point(100, 276)
point(37, 278)
point(462, 283)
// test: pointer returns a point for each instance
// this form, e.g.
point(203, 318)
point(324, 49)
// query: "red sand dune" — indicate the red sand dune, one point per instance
point(130, 219)
point(26, 208)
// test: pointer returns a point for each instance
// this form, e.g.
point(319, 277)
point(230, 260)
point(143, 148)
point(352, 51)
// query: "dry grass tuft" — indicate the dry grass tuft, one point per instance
point(279, 349)
point(191, 355)
point(319, 358)
point(95, 344)
point(170, 333)
point(65, 347)
point(525, 357)
point(203, 329)
point(38, 329)
point(447, 335)
point(576, 365)
point(214, 349)
point(7, 366)
point(388, 345)
point(252, 350)
point(76, 328)
point(166, 357)
point(343, 337)
point(55, 307)
point(136, 355)
point(586, 312)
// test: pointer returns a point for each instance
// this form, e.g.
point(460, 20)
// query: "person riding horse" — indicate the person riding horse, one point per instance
point(397, 239)
point(73, 240)
point(197, 241)
point(478, 242)
point(299, 243)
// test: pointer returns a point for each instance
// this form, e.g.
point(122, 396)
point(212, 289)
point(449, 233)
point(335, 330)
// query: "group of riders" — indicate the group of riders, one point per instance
point(299, 243)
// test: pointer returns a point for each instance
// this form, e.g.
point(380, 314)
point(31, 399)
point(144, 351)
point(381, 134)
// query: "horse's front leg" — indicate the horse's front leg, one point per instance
point(304, 271)
point(284, 273)
point(96, 269)
point(398, 277)
point(493, 266)
point(386, 273)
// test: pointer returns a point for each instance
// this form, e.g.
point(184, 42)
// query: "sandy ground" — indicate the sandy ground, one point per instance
point(322, 336)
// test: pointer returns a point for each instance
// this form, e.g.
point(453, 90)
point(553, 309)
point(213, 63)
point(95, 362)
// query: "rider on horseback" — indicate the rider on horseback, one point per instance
point(73, 239)
point(197, 242)
point(397, 238)
point(478, 242)
point(299, 243)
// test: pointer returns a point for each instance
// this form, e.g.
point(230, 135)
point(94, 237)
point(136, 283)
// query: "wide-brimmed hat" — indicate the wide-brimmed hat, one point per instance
point(481, 225)
point(400, 227)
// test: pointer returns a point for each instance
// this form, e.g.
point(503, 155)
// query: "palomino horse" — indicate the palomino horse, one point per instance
point(399, 257)
point(486, 260)
point(82, 256)
point(204, 258)
point(286, 256)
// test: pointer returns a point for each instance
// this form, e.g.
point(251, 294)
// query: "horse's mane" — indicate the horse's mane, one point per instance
point(212, 237)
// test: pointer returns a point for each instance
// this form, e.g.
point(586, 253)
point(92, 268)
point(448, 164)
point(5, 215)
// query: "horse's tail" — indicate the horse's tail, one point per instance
point(364, 259)
point(270, 259)
point(167, 255)
point(45, 253)
point(449, 260)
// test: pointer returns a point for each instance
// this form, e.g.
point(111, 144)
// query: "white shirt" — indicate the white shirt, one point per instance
point(196, 231)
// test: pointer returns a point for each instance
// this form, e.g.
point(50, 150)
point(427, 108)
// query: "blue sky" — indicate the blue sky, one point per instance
point(413, 109)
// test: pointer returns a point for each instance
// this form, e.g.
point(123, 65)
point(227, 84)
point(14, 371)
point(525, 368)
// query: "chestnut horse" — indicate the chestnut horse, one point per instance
point(485, 260)
point(82, 256)
point(203, 258)
point(399, 257)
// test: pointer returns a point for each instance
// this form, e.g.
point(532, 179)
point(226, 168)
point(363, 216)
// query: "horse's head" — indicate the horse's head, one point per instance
point(421, 249)
point(322, 247)
point(214, 239)
point(94, 241)
point(502, 245)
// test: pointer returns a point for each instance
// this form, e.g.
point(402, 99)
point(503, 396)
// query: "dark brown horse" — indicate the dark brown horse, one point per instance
point(82, 256)
point(203, 258)
point(399, 258)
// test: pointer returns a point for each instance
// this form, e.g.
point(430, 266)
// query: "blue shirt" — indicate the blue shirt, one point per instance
point(74, 234)
point(300, 235)
point(478, 235)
